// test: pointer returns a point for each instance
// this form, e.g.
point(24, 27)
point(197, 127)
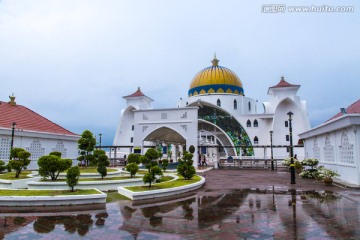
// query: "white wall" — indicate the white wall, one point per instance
point(183, 121)
point(47, 143)
point(330, 135)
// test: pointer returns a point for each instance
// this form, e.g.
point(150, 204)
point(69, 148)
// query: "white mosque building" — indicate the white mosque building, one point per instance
point(217, 119)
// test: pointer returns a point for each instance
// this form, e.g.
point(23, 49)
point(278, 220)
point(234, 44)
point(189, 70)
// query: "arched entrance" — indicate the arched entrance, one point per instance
point(175, 126)
point(226, 128)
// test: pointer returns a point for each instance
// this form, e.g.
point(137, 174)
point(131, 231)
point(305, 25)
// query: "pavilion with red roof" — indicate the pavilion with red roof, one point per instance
point(33, 132)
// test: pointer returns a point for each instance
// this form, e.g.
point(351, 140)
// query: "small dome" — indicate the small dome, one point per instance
point(215, 79)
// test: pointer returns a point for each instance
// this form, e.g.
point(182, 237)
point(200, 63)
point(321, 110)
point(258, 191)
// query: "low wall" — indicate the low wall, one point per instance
point(52, 200)
point(160, 192)
point(95, 175)
point(102, 185)
point(17, 184)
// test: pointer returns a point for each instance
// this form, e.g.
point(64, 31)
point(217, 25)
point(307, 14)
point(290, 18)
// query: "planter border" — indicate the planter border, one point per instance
point(161, 192)
point(53, 200)
point(102, 185)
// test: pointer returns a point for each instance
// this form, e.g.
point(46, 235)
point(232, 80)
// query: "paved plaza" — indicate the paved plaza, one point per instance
point(229, 179)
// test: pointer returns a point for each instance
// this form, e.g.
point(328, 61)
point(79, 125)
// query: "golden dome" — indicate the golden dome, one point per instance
point(215, 79)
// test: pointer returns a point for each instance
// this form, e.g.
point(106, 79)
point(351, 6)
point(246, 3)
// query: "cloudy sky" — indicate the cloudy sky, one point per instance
point(73, 61)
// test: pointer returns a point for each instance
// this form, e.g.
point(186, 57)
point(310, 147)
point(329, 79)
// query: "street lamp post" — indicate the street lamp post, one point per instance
point(12, 137)
point(100, 134)
point(292, 166)
point(271, 149)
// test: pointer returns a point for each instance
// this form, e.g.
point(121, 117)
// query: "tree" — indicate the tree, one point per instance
point(86, 144)
point(132, 168)
point(151, 176)
point(20, 160)
point(134, 158)
point(185, 167)
point(2, 166)
point(165, 164)
point(192, 149)
point(72, 177)
point(102, 162)
point(52, 165)
point(149, 158)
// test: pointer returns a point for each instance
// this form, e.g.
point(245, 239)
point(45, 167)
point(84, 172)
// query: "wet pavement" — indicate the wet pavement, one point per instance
point(229, 179)
point(233, 204)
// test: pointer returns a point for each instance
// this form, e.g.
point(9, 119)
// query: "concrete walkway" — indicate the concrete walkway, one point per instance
point(223, 180)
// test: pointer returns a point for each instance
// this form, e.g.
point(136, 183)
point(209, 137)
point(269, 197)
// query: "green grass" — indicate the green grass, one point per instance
point(113, 196)
point(92, 179)
point(142, 171)
point(163, 185)
point(94, 170)
point(9, 192)
point(11, 175)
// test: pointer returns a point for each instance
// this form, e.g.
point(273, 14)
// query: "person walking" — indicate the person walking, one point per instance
point(204, 161)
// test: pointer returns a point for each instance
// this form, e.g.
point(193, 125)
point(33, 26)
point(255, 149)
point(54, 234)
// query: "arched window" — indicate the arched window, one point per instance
point(248, 123)
point(249, 104)
point(346, 149)
point(328, 150)
point(256, 140)
point(235, 104)
point(60, 147)
point(256, 124)
point(316, 149)
point(36, 149)
point(218, 103)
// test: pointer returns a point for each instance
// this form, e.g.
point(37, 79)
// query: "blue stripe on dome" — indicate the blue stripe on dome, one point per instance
point(216, 87)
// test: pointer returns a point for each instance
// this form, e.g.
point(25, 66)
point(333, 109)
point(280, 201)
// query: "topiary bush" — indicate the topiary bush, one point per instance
point(164, 164)
point(149, 159)
point(103, 162)
point(132, 168)
point(2, 166)
point(133, 158)
point(20, 160)
point(52, 165)
point(185, 167)
point(152, 175)
point(72, 177)
point(192, 149)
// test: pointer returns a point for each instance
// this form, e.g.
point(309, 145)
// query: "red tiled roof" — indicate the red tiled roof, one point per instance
point(284, 83)
point(352, 109)
point(27, 119)
point(138, 93)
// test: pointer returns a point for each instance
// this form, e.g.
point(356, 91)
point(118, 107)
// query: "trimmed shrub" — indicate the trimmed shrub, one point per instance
point(149, 158)
point(185, 167)
point(103, 162)
point(192, 149)
point(56, 154)
point(165, 164)
point(53, 165)
point(2, 166)
point(151, 176)
point(132, 168)
point(20, 160)
point(133, 158)
point(72, 177)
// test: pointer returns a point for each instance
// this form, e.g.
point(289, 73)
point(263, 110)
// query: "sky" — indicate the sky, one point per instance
point(72, 61)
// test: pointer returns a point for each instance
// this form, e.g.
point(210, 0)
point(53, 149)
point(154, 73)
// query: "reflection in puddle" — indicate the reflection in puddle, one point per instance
point(249, 213)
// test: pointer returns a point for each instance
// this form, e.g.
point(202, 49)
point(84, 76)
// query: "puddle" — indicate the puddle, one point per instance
point(240, 214)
